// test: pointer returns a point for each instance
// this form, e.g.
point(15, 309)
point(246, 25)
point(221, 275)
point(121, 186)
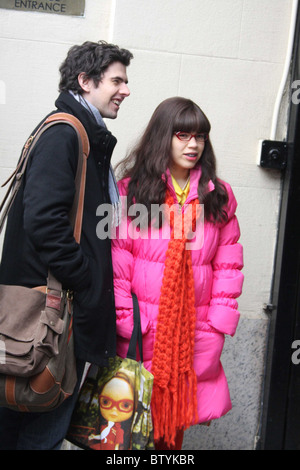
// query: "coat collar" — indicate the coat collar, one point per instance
point(195, 175)
point(67, 103)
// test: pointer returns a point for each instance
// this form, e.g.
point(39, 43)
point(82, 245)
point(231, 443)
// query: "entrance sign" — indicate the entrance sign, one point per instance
point(59, 7)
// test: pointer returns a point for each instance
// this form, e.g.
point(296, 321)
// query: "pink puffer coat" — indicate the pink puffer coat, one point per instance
point(138, 266)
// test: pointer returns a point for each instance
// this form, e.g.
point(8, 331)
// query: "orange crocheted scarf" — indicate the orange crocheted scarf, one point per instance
point(174, 402)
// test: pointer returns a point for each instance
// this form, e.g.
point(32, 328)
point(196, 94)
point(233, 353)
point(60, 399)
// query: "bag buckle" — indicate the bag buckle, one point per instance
point(70, 295)
point(29, 142)
point(53, 300)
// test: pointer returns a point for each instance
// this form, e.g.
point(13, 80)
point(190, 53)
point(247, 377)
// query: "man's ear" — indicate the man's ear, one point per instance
point(84, 82)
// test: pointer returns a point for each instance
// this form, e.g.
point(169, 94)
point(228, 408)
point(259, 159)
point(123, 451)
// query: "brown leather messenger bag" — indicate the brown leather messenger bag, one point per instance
point(37, 362)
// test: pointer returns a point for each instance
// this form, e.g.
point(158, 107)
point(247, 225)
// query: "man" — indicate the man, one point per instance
point(39, 236)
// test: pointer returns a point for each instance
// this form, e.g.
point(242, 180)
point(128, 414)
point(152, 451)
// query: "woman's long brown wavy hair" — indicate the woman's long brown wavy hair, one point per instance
point(149, 159)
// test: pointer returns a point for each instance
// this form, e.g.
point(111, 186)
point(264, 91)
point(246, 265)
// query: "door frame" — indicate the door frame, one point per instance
point(280, 421)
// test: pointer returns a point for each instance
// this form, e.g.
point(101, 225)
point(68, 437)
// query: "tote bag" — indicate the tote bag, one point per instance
point(113, 407)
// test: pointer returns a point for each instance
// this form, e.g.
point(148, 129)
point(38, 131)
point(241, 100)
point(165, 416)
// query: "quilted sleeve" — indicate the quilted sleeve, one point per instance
point(227, 276)
point(123, 264)
point(122, 267)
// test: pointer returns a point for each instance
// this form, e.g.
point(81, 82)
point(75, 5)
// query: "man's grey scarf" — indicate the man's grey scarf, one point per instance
point(112, 184)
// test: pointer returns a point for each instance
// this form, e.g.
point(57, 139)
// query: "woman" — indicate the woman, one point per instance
point(187, 282)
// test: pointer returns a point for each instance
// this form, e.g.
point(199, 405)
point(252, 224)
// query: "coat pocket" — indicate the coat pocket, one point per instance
point(208, 350)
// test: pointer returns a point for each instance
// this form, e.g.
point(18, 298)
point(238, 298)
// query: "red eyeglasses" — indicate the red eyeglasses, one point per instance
point(187, 136)
point(125, 406)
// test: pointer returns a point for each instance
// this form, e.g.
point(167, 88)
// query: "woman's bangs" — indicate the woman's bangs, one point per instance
point(189, 121)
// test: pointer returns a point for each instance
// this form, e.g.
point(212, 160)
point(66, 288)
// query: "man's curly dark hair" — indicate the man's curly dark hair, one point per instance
point(92, 58)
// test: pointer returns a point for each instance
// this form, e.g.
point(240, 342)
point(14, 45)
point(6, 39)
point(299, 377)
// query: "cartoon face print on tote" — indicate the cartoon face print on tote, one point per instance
point(116, 402)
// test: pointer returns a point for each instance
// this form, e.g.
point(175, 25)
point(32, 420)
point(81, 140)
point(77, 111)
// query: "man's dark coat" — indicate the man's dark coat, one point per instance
point(39, 235)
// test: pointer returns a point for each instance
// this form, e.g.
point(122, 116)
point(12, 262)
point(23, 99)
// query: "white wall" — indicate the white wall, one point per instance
point(228, 56)
point(32, 47)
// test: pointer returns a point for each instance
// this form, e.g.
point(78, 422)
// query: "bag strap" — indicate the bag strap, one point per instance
point(136, 337)
point(80, 179)
point(76, 213)
point(17, 175)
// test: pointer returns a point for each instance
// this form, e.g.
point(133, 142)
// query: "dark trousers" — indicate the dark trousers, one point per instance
point(38, 431)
